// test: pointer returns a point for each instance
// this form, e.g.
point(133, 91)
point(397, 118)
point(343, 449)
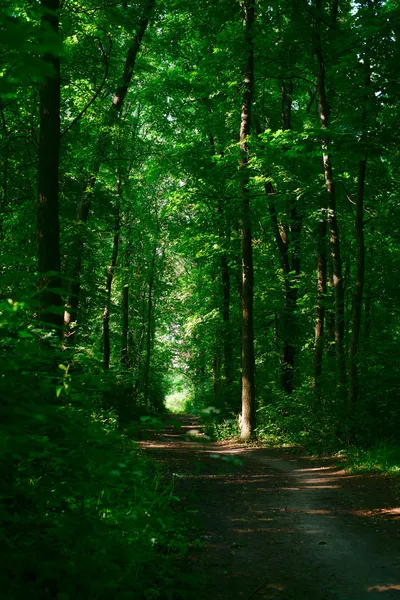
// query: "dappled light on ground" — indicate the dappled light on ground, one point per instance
point(263, 514)
point(384, 588)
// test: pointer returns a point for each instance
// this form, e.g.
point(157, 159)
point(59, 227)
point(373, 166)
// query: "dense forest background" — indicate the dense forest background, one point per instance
point(199, 203)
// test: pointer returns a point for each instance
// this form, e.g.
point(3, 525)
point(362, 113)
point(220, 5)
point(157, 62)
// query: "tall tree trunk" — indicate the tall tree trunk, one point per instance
point(360, 246)
point(369, 297)
point(287, 239)
point(226, 301)
point(320, 308)
point(224, 236)
point(334, 237)
point(292, 254)
point(48, 227)
point(216, 380)
point(125, 326)
point(149, 327)
point(109, 282)
point(4, 169)
point(330, 309)
point(248, 362)
point(289, 358)
point(142, 330)
point(126, 334)
point(100, 154)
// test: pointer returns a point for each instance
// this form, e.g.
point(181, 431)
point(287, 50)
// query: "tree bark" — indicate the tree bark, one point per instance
point(248, 361)
point(226, 301)
point(291, 260)
point(287, 237)
point(48, 227)
point(125, 326)
point(216, 381)
point(330, 310)
point(126, 334)
point(100, 154)
point(109, 282)
point(4, 169)
point(291, 295)
point(224, 236)
point(320, 308)
point(360, 249)
point(149, 327)
point(334, 237)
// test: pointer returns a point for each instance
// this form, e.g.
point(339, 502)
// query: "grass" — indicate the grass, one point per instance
point(381, 458)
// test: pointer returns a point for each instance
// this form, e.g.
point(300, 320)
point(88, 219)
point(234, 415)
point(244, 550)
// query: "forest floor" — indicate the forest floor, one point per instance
point(275, 526)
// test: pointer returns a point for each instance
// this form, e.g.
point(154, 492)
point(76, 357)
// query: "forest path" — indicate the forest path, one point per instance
point(280, 527)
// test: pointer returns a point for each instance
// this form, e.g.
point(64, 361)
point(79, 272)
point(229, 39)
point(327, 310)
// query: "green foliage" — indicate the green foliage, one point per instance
point(381, 458)
point(86, 516)
point(84, 513)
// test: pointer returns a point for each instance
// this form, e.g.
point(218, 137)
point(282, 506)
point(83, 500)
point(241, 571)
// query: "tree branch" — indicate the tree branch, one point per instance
point(89, 104)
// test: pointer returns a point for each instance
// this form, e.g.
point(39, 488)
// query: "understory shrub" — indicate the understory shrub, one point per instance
point(85, 515)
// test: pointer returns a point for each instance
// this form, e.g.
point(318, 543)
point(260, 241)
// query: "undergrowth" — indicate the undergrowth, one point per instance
point(289, 423)
point(85, 515)
point(381, 458)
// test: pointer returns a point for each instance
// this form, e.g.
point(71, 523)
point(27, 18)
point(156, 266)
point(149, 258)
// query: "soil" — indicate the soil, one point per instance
point(275, 526)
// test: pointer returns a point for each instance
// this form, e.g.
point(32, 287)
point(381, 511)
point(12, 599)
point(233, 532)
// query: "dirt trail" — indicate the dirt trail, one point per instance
point(280, 527)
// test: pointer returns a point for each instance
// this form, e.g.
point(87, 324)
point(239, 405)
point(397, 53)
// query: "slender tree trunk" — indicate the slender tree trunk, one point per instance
point(141, 337)
point(149, 327)
point(292, 248)
point(287, 100)
point(4, 173)
point(142, 329)
point(330, 310)
point(109, 282)
point(248, 362)
point(100, 154)
point(291, 337)
point(48, 228)
point(369, 297)
point(360, 245)
point(289, 251)
point(359, 286)
point(216, 380)
point(126, 343)
point(334, 237)
point(224, 236)
point(320, 308)
point(125, 326)
point(226, 301)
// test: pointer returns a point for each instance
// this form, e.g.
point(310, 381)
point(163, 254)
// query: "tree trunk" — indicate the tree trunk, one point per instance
point(4, 170)
point(149, 328)
point(224, 236)
point(360, 245)
point(100, 154)
point(109, 282)
point(126, 334)
point(334, 237)
point(330, 310)
point(248, 362)
point(142, 330)
point(359, 287)
point(125, 326)
point(48, 227)
point(291, 294)
point(320, 308)
point(289, 251)
point(216, 380)
point(226, 300)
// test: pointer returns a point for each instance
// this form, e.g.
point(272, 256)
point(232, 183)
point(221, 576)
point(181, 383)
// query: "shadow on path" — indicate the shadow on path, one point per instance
point(278, 527)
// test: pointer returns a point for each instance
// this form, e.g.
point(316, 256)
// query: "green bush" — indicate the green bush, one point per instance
point(85, 515)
